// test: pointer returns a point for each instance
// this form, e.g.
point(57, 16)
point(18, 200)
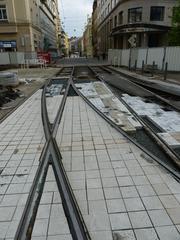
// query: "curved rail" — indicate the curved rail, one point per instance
point(176, 174)
point(145, 87)
point(171, 153)
point(52, 155)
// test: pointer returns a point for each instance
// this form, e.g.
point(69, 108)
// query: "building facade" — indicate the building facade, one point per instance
point(64, 46)
point(28, 25)
point(87, 39)
point(94, 28)
point(148, 21)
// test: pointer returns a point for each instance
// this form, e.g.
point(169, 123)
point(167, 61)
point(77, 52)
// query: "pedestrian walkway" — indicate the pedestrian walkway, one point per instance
point(21, 143)
point(120, 190)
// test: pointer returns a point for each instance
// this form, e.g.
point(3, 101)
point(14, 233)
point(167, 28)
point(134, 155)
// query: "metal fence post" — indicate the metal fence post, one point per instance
point(130, 55)
point(165, 71)
point(142, 67)
point(135, 65)
point(153, 68)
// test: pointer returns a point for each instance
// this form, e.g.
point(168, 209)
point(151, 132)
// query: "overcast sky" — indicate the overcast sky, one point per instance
point(74, 15)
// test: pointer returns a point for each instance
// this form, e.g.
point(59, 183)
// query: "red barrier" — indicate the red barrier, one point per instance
point(44, 56)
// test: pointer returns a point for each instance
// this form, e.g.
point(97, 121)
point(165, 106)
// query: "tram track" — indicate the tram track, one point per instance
point(172, 99)
point(172, 164)
point(173, 154)
point(52, 156)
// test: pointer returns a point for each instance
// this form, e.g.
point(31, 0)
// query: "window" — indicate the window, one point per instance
point(108, 7)
point(115, 21)
point(135, 15)
point(111, 25)
point(3, 12)
point(121, 18)
point(157, 14)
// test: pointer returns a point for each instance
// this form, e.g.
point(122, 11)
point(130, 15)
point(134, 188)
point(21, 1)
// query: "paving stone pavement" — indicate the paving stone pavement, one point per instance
point(51, 222)
point(121, 194)
point(21, 143)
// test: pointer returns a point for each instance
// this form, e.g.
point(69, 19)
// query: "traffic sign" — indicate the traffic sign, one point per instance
point(133, 40)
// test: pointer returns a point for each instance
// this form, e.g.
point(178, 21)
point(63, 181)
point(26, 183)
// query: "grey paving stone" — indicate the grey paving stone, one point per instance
point(3, 229)
point(97, 222)
point(112, 193)
point(115, 206)
point(154, 179)
point(120, 221)
point(168, 233)
point(40, 227)
point(105, 165)
point(46, 197)
point(169, 201)
point(178, 228)
point(83, 205)
point(109, 182)
point(15, 188)
point(18, 213)
point(5, 180)
point(95, 194)
point(93, 174)
point(58, 226)
point(140, 219)
point(81, 195)
point(60, 237)
point(146, 191)
point(118, 164)
point(121, 172)
point(129, 192)
point(161, 189)
point(38, 238)
point(135, 171)
point(124, 234)
point(10, 200)
point(152, 203)
point(97, 207)
point(12, 229)
point(174, 186)
point(6, 213)
point(160, 218)
point(177, 196)
point(107, 173)
point(56, 210)
point(43, 211)
point(92, 165)
point(146, 234)
point(140, 180)
point(94, 183)
point(174, 214)
point(133, 204)
point(125, 181)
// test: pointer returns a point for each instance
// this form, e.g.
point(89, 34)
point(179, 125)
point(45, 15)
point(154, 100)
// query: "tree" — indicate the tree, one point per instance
point(174, 35)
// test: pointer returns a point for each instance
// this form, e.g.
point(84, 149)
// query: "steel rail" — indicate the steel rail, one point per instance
point(130, 78)
point(168, 150)
point(51, 155)
point(167, 167)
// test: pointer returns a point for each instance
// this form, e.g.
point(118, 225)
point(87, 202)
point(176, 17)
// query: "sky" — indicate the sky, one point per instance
point(73, 15)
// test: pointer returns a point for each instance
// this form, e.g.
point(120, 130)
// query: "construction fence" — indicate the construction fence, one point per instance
point(21, 58)
point(159, 56)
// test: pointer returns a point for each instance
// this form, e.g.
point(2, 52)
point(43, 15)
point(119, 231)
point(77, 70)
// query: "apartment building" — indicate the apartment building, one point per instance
point(149, 21)
point(87, 39)
point(94, 29)
point(64, 45)
point(28, 25)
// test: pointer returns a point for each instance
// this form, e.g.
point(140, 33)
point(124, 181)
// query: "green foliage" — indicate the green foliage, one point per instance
point(174, 35)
